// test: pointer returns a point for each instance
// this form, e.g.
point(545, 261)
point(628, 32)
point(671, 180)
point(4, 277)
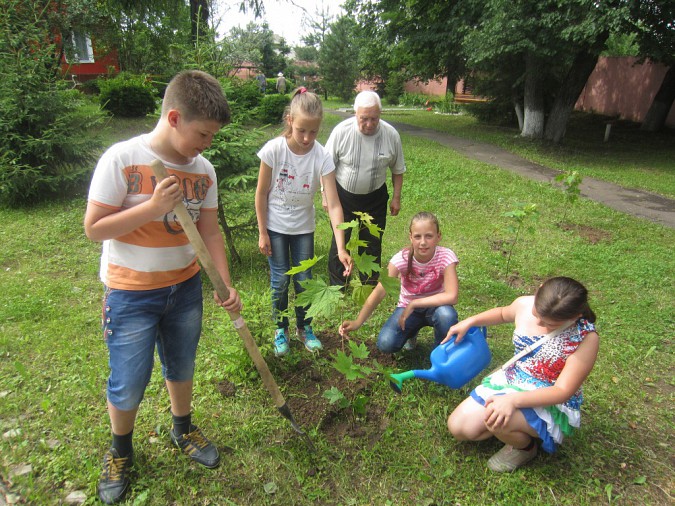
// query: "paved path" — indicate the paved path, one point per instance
point(638, 203)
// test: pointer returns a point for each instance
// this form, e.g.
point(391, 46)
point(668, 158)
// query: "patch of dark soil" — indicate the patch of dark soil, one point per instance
point(591, 234)
point(307, 380)
point(226, 388)
point(501, 245)
point(515, 280)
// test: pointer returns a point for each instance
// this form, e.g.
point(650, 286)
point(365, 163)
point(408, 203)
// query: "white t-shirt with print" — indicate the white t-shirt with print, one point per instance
point(295, 180)
point(156, 254)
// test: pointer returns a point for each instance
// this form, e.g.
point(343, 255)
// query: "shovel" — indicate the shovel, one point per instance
point(239, 324)
point(452, 364)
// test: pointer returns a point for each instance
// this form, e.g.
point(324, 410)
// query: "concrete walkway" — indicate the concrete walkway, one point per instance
point(638, 203)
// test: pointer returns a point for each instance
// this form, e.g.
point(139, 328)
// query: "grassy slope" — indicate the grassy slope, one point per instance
point(53, 365)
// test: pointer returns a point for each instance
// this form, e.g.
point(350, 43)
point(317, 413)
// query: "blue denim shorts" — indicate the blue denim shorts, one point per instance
point(135, 322)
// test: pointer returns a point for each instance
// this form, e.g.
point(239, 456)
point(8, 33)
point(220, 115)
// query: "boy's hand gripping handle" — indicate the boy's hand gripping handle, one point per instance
point(207, 263)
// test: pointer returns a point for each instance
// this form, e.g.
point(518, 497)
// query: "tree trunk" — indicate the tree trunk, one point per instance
point(663, 101)
point(568, 93)
point(533, 123)
point(518, 107)
point(199, 17)
point(234, 256)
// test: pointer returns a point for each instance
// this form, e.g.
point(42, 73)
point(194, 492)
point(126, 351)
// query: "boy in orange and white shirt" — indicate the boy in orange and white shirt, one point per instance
point(153, 293)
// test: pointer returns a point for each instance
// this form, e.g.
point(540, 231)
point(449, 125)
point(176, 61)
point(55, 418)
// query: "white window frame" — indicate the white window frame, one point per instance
point(76, 56)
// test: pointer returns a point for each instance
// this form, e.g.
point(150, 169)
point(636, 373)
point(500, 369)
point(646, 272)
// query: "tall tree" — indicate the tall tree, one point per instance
point(338, 59)
point(421, 37)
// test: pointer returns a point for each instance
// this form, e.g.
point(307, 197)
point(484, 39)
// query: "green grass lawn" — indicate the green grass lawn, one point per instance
point(53, 365)
point(630, 158)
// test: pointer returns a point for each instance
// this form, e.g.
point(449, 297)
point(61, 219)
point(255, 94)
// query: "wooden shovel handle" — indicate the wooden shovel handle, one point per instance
point(221, 289)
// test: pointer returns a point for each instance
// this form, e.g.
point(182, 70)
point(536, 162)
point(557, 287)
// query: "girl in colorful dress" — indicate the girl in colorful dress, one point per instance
point(293, 167)
point(429, 290)
point(538, 396)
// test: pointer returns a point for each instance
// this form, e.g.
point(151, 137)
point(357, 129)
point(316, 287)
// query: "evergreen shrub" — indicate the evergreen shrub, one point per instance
point(271, 108)
point(128, 95)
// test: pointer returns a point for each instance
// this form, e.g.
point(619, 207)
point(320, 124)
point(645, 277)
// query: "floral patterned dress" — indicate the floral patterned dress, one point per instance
point(540, 369)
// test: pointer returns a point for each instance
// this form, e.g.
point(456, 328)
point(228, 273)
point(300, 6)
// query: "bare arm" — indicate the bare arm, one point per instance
point(397, 184)
point(495, 316)
point(102, 223)
point(334, 209)
point(377, 295)
point(261, 196)
point(213, 239)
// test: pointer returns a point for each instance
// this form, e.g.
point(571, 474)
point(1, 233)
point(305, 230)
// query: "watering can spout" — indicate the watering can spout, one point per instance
point(396, 380)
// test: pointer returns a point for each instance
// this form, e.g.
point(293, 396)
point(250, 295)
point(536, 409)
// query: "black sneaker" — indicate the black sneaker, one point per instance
point(197, 447)
point(114, 481)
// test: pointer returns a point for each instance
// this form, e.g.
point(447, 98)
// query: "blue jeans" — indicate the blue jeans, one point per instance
point(137, 321)
point(392, 338)
point(287, 251)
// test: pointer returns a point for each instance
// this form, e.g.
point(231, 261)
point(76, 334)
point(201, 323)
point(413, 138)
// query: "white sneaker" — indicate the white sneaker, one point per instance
point(509, 458)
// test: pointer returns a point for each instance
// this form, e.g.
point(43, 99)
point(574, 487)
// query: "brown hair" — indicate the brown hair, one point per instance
point(563, 298)
point(304, 103)
point(197, 96)
point(421, 216)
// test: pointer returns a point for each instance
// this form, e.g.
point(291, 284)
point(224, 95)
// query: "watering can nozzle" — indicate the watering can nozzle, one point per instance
point(396, 380)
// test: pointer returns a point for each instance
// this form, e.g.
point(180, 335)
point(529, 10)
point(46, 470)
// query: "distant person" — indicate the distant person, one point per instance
point(363, 149)
point(153, 290)
point(293, 167)
point(262, 82)
point(537, 398)
point(281, 83)
point(429, 290)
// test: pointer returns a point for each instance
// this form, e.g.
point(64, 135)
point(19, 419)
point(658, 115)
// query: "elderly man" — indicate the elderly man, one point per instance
point(363, 148)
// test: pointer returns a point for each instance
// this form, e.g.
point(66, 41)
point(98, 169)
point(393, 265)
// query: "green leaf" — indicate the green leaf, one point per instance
point(365, 263)
point(348, 224)
point(333, 395)
point(355, 243)
point(321, 298)
point(391, 285)
point(359, 351)
point(345, 364)
point(361, 293)
point(304, 265)
point(373, 229)
point(359, 405)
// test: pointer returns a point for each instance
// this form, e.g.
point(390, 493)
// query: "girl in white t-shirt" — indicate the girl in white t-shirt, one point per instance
point(429, 289)
point(293, 167)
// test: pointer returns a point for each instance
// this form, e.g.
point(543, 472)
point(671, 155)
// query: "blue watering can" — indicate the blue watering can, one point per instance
point(452, 364)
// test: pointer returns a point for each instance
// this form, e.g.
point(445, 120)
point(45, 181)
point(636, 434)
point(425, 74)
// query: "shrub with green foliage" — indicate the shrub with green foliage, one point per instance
point(413, 99)
point(393, 87)
point(271, 108)
point(46, 144)
point(128, 95)
point(242, 95)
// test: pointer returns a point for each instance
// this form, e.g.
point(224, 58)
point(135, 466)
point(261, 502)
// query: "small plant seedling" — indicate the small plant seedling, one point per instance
point(570, 182)
point(326, 300)
point(519, 215)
